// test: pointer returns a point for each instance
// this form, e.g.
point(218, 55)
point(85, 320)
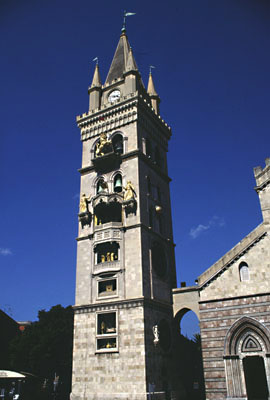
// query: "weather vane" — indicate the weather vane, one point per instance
point(126, 14)
point(96, 60)
point(150, 69)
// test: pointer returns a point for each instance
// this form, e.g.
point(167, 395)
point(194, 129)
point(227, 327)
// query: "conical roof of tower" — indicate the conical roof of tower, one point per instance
point(151, 87)
point(96, 78)
point(121, 59)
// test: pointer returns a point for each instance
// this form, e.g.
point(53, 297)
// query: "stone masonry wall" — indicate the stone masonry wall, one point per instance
point(119, 375)
point(216, 318)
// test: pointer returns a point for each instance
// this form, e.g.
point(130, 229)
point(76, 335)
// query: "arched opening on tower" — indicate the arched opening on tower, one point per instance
point(108, 212)
point(117, 142)
point(106, 252)
point(117, 183)
point(159, 260)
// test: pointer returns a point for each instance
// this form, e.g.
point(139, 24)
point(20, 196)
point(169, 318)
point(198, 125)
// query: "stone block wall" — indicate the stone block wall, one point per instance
point(216, 318)
point(115, 375)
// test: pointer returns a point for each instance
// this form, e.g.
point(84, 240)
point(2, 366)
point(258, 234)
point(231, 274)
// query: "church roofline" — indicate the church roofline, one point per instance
point(232, 255)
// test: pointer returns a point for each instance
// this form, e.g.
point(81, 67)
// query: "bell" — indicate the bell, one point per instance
point(101, 186)
point(118, 185)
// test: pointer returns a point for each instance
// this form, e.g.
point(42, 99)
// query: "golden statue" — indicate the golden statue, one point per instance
point(108, 256)
point(102, 258)
point(129, 193)
point(104, 145)
point(84, 203)
point(112, 256)
point(103, 327)
point(109, 288)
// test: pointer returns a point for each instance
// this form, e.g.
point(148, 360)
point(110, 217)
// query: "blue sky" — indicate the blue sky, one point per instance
point(212, 73)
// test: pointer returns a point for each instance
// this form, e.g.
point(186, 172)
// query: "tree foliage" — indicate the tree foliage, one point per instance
point(188, 367)
point(45, 347)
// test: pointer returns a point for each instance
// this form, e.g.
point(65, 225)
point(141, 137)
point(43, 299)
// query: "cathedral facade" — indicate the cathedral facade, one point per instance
point(232, 302)
point(126, 296)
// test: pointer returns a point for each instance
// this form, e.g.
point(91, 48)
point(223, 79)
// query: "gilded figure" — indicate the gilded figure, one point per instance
point(84, 203)
point(129, 193)
point(103, 146)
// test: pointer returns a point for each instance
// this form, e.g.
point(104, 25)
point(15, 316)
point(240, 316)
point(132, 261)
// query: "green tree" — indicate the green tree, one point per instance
point(45, 347)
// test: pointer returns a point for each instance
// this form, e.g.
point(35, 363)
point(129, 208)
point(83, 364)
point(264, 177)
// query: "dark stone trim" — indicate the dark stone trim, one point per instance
point(235, 316)
point(220, 328)
point(231, 357)
point(233, 298)
point(215, 379)
point(210, 369)
point(266, 303)
point(220, 348)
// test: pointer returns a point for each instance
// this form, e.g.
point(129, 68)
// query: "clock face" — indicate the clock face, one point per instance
point(114, 95)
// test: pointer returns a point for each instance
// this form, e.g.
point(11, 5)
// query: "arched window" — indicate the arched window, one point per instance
point(117, 142)
point(243, 272)
point(106, 252)
point(108, 212)
point(117, 183)
point(102, 186)
point(159, 260)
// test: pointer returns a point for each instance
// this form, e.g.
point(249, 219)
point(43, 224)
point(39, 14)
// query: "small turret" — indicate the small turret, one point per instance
point(155, 100)
point(131, 73)
point(262, 177)
point(95, 91)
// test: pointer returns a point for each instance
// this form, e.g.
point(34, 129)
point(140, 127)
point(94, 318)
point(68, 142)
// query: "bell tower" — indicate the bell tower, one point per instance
point(125, 253)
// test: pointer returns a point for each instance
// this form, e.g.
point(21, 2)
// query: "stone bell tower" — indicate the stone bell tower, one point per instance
point(125, 255)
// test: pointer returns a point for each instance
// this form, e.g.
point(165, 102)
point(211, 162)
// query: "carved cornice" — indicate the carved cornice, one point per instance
point(263, 186)
point(112, 117)
point(148, 229)
point(107, 120)
point(122, 304)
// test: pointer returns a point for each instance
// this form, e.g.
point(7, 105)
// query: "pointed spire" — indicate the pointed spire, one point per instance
point(155, 100)
point(119, 62)
point(151, 87)
point(96, 82)
point(131, 63)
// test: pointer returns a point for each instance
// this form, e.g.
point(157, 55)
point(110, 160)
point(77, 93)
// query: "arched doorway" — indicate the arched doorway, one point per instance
point(255, 378)
point(247, 348)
